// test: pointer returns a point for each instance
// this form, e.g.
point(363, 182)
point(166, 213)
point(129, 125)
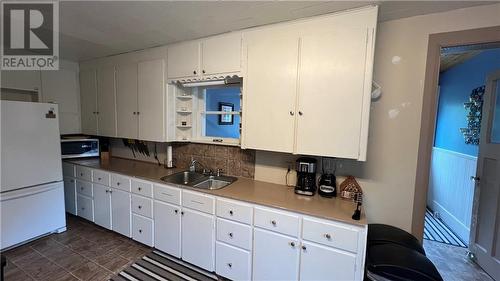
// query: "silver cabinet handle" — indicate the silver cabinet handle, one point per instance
point(230, 265)
point(292, 113)
point(231, 212)
point(230, 234)
point(292, 244)
point(71, 181)
point(140, 230)
point(304, 247)
point(176, 211)
point(107, 191)
point(140, 207)
point(300, 113)
point(99, 179)
point(328, 236)
point(476, 179)
point(118, 183)
point(134, 113)
point(273, 222)
point(139, 188)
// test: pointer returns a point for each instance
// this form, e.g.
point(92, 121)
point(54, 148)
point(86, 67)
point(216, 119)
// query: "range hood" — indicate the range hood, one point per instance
point(229, 80)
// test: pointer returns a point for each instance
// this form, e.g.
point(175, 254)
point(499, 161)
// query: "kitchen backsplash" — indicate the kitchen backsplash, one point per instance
point(232, 160)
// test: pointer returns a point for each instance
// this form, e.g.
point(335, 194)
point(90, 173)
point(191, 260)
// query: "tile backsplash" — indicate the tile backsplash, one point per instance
point(233, 161)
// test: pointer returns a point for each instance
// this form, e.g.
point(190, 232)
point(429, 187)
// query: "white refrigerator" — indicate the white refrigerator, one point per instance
point(31, 186)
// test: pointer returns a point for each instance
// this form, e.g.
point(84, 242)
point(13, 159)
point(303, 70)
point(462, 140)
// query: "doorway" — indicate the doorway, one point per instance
point(485, 213)
point(462, 82)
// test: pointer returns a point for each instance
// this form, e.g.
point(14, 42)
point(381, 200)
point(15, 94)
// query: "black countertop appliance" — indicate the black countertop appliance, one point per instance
point(306, 176)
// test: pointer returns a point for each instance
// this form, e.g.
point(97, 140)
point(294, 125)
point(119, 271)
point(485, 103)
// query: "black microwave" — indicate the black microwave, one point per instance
point(78, 148)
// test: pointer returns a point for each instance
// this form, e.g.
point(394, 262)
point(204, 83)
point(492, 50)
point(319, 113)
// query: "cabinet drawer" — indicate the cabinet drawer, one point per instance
point(234, 233)
point(84, 188)
point(277, 221)
point(85, 207)
point(142, 188)
point(120, 182)
point(231, 262)
point(68, 169)
point(199, 202)
point(142, 229)
point(84, 173)
point(142, 206)
point(100, 177)
point(330, 234)
point(167, 194)
point(234, 211)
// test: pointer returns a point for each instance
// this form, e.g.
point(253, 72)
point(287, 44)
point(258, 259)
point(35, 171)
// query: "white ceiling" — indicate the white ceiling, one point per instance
point(91, 29)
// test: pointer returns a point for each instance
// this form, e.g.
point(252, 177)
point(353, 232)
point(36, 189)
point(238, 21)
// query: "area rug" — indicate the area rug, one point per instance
point(159, 266)
point(436, 230)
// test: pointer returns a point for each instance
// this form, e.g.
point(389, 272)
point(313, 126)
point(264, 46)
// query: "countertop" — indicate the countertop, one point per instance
point(247, 190)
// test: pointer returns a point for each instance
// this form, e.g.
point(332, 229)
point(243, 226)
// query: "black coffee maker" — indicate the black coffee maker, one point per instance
point(327, 186)
point(306, 176)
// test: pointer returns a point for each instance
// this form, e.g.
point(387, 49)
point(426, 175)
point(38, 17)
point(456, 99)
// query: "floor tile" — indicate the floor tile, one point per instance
point(112, 262)
point(90, 271)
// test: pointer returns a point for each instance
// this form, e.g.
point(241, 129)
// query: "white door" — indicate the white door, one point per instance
point(102, 205)
point(269, 91)
point(151, 95)
point(126, 101)
point(342, 265)
point(167, 228)
point(221, 54)
point(485, 230)
point(331, 91)
point(275, 256)
point(106, 112)
point(120, 211)
point(30, 144)
point(183, 60)
point(70, 195)
point(198, 239)
point(88, 101)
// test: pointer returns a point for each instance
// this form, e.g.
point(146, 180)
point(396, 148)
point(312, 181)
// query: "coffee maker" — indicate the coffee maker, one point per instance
point(306, 176)
point(328, 181)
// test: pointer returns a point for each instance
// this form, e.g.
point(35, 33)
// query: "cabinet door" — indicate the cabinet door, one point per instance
point(221, 54)
point(342, 264)
point(198, 239)
point(167, 228)
point(151, 100)
point(85, 207)
point(183, 60)
point(70, 195)
point(120, 211)
point(88, 101)
point(126, 101)
point(331, 90)
point(275, 256)
point(106, 112)
point(22, 80)
point(102, 206)
point(269, 92)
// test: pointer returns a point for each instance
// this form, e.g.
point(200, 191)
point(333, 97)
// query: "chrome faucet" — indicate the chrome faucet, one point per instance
point(192, 165)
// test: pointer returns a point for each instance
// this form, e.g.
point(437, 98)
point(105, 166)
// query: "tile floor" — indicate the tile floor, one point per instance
point(452, 262)
point(84, 252)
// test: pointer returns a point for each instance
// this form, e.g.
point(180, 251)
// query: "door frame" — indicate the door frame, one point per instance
point(429, 110)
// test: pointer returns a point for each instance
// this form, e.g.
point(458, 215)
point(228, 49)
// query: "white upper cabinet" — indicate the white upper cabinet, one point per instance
point(213, 57)
point(183, 60)
point(151, 101)
point(269, 90)
point(88, 101)
point(322, 72)
point(331, 92)
point(221, 54)
point(126, 101)
point(21, 80)
point(106, 111)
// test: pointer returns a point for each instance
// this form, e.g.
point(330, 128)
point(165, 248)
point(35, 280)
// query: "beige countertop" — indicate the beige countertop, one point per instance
point(248, 190)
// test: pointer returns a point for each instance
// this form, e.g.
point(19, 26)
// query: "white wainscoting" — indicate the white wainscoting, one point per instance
point(451, 190)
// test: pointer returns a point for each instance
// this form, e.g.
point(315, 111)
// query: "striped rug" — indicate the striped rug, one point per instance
point(436, 230)
point(158, 266)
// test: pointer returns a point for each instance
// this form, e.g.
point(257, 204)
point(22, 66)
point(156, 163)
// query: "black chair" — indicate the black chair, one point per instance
point(393, 254)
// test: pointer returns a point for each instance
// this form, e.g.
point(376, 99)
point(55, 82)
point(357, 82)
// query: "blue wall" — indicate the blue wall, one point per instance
point(456, 85)
point(214, 96)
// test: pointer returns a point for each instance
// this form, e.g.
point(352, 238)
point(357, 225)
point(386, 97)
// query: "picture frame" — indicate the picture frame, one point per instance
point(226, 119)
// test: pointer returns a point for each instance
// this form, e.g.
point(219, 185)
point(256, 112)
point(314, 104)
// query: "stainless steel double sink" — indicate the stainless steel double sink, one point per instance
point(199, 180)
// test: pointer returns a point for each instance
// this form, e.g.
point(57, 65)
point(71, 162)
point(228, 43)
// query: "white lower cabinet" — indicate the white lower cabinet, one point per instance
point(232, 262)
point(339, 265)
point(85, 207)
point(167, 228)
point(102, 205)
point(275, 256)
point(142, 229)
point(70, 195)
point(120, 211)
point(198, 239)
